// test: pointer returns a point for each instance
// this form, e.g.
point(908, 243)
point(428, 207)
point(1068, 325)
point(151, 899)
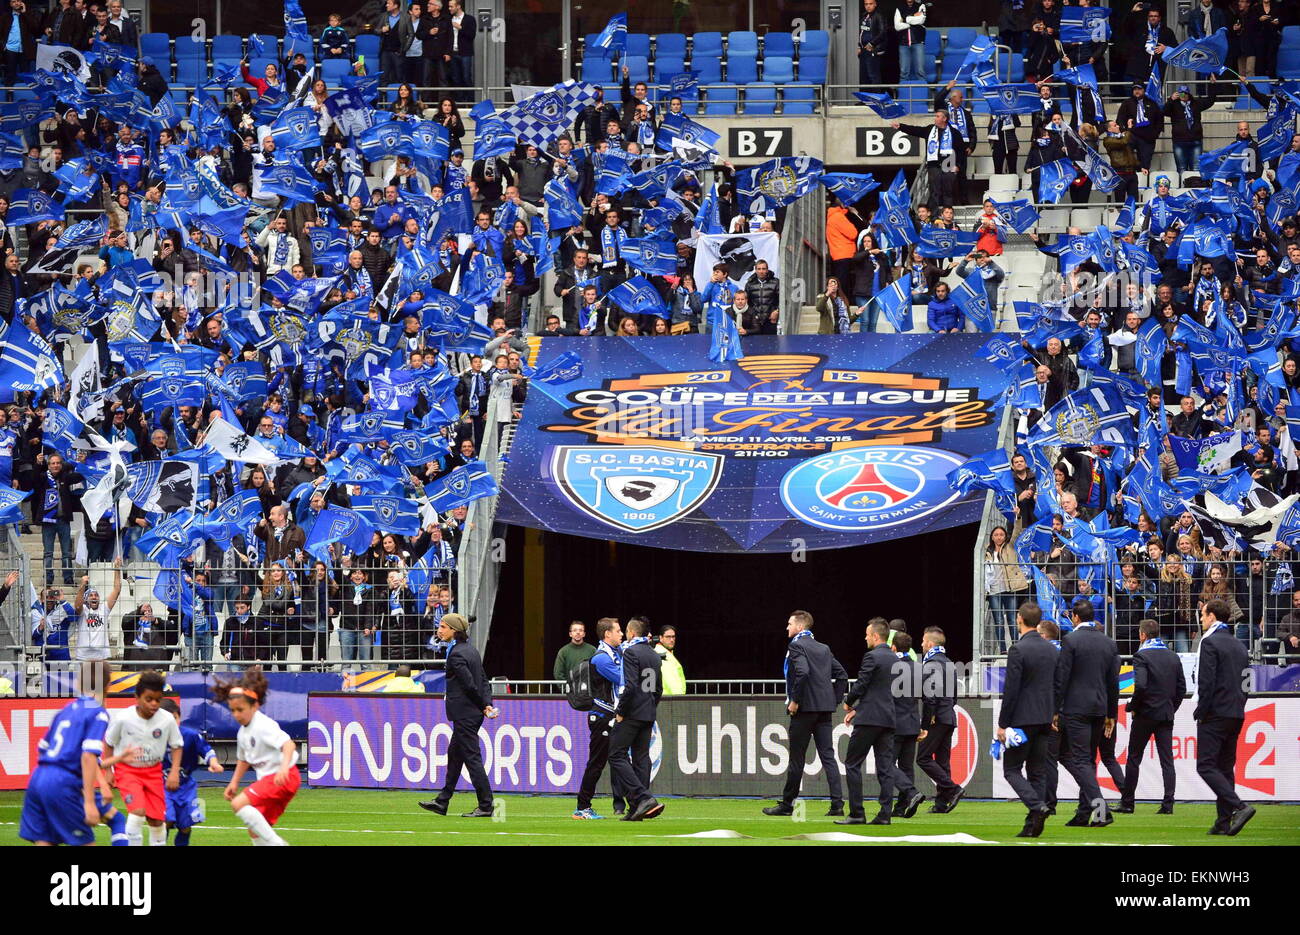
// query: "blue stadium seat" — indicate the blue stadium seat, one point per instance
point(812, 68)
point(708, 68)
point(742, 69)
point(1290, 37)
point(933, 44)
point(638, 45)
point(189, 47)
point(816, 42)
point(1246, 102)
point(596, 68)
point(915, 96)
point(799, 100)
point(1014, 64)
point(191, 72)
point(952, 60)
point(778, 69)
point(638, 68)
point(778, 43)
point(668, 64)
point(157, 46)
point(760, 98)
point(707, 43)
point(179, 97)
point(720, 100)
point(332, 71)
point(226, 49)
point(1288, 63)
point(670, 43)
point(744, 41)
point(367, 44)
point(263, 46)
point(960, 37)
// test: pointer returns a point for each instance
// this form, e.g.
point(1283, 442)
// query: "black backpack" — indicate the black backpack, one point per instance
point(577, 687)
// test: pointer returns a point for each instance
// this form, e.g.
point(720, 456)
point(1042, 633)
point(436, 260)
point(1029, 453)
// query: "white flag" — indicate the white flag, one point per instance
point(101, 498)
point(234, 444)
point(84, 386)
point(739, 251)
point(63, 59)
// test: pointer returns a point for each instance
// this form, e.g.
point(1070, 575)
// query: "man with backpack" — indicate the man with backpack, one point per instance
point(594, 686)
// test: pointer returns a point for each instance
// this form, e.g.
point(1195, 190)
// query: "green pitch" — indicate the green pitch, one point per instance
point(364, 817)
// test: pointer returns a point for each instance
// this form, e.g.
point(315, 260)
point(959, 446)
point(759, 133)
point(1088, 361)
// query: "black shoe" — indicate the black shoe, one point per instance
point(648, 807)
point(1166, 809)
point(951, 803)
point(1080, 820)
point(913, 803)
point(882, 818)
point(1123, 808)
point(937, 808)
point(1039, 818)
point(1027, 831)
point(1106, 819)
point(835, 811)
point(1239, 819)
point(778, 810)
point(1051, 809)
point(434, 806)
point(1219, 827)
point(852, 820)
point(626, 817)
point(479, 812)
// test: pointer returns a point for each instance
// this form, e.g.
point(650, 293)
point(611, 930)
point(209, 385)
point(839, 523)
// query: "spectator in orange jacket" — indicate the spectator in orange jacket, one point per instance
point(841, 242)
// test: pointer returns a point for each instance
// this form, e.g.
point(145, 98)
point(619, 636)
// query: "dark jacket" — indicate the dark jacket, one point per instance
point(29, 27)
point(1221, 661)
point(1158, 684)
point(1154, 115)
point(354, 616)
point(468, 691)
point(1087, 674)
point(871, 695)
point(907, 695)
point(1027, 693)
point(938, 691)
point(465, 42)
point(71, 488)
point(641, 670)
point(814, 678)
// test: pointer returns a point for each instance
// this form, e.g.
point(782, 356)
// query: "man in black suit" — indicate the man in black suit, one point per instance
point(938, 719)
point(907, 722)
point(1158, 690)
point(814, 683)
point(468, 701)
point(870, 704)
point(1027, 705)
point(1087, 704)
point(634, 718)
point(1222, 665)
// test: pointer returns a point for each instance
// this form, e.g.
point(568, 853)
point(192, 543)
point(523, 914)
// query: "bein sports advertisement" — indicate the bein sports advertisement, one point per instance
point(807, 440)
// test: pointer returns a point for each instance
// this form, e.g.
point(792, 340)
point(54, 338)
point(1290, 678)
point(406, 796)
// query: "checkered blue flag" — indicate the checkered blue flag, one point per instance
point(543, 117)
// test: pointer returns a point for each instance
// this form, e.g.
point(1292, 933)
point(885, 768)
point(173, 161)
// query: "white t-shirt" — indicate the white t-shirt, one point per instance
point(259, 744)
point(153, 736)
point(92, 634)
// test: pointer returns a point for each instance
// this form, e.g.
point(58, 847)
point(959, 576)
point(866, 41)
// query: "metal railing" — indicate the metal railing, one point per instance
point(503, 686)
point(481, 551)
point(803, 260)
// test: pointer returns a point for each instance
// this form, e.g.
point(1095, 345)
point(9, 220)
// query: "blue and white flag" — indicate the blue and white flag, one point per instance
point(565, 368)
point(1012, 98)
point(1200, 55)
point(562, 206)
point(234, 444)
point(1081, 76)
point(1019, 215)
point(776, 183)
point(638, 296)
point(27, 363)
point(724, 337)
point(1082, 25)
point(650, 255)
point(350, 111)
point(1054, 178)
point(978, 62)
point(337, 525)
point(296, 128)
point(677, 128)
point(972, 298)
point(849, 187)
point(895, 302)
point(545, 116)
point(1151, 343)
point(613, 38)
point(295, 25)
point(416, 448)
point(397, 515)
point(30, 205)
point(1003, 352)
point(83, 233)
point(1091, 416)
point(883, 104)
point(1155, 89)
point(460, 487)
point(942, 242)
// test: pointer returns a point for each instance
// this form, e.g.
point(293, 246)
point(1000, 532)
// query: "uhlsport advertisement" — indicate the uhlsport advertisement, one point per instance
point(808, 441)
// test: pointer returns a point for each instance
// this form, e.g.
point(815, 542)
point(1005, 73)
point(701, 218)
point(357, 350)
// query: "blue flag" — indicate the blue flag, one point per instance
point(30, 205)
point(651, 254)
point(1054, 178)
point(565, 368)
point(613, 38)
point(562, 206)
point(973, 300)
point(296, 128)
point(777, 182)
point(638, 296)
point(1080, 75)
point(883, 104)
point(1200, 55)
point(462, 486)
point(1155, 89)
point(1151, 343)
point(895, 301)
point(942, 242)
point(1012, 98)
point(295, 25)
point(397, 515)
point(1095, 415)
point(346, 527)
point(1082, 25)
point(849, 187)
point(1019, 215)
point(724, 343)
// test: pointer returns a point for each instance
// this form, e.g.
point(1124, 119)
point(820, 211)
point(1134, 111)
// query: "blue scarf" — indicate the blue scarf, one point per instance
point(785, 666)
point(51, 505)
point(934, 652)
point(938, 143)
point(475, 393)
point(587, 318)
point(611, 239)
point(1212, 630)
point(957, 116)
point(1154, 643)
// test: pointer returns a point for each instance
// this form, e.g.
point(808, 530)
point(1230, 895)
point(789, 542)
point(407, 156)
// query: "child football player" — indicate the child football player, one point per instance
point(154, 732)
point(184, 807)
point(266, 749)
point(59, 806)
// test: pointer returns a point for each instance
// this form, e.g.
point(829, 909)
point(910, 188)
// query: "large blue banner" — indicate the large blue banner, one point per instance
point(819, 441)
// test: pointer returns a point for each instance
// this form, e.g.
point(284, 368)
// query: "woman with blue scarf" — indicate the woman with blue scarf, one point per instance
point(279, 610)
point(871, 274)
point(833, 309)
point(686, 304)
